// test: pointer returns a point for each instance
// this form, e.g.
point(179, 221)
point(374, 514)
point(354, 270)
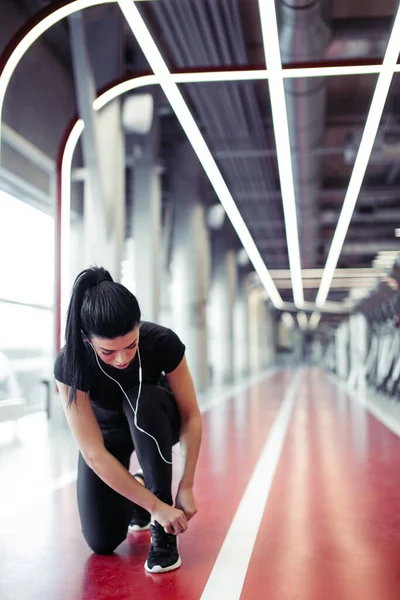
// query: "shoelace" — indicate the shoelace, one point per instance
point(161, 539)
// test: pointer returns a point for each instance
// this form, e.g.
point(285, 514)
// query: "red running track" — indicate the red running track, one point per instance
point(331, 528)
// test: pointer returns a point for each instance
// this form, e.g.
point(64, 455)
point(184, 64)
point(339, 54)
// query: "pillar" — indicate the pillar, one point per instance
point(241, 325)
point(189, 260)
point(146, 223)
point(221, 310)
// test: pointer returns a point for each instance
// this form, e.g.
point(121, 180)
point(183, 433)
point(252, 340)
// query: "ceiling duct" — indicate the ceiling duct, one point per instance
point(209, 33)
point(304, 36)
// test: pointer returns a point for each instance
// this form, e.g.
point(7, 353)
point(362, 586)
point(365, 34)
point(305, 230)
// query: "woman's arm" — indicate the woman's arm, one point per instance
point(181, 383)
point(86, 430)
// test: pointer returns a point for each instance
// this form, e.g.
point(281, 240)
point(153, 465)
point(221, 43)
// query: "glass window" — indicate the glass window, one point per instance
point(26, 300)
point(27, 251)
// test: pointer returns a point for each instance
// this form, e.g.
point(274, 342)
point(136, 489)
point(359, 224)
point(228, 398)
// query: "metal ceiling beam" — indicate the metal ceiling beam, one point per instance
point(229, 113)
point(337, 284)
point(379, 224)
point(304, 35)
point(225, 154)
point(358, 37)
point(377, 106)
point(339, 273)
point(381, 215)
point(370, 247)
point(367, 193)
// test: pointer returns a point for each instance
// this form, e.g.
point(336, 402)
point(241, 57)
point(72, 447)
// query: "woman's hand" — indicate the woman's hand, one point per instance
point(172, 519)
point(185, 501)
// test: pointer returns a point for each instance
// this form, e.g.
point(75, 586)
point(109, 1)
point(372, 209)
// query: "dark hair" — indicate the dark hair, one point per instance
point(98, 307)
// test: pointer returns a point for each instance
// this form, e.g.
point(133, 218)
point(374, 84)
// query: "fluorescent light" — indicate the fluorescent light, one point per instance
point(397, 232)
point(122, 88)
point(302, 320)
point(31, 36)
point(287, 320)
point(383, 263)
point(367, 272)
point(282, 141)
point(385, 258)
point(358, 293)
point(362, 159)
point(290, 73)
point(77, 5)
point(34, 34)
point(215, 76)
point(193, 133)
point(257, 74)
point(329, 307)
point(314, 320)
point(196, 77)
point(252, 75)
point(66, 164)
point(100, 102)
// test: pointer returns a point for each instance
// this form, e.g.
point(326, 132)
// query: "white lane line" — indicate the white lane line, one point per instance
point(229, 572)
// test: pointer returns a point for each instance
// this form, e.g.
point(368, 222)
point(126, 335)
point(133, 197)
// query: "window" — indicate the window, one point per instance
point(26, 299)
point(27, 252)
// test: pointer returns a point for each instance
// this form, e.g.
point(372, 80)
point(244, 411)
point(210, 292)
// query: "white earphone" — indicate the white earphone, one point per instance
point(135, 410)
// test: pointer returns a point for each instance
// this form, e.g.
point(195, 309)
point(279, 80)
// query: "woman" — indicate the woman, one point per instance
point(108, 375)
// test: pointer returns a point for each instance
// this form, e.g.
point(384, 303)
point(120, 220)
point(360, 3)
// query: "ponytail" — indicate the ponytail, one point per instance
point(108, 310)
point(75, 360)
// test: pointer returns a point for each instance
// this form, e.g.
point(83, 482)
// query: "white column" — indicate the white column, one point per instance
point(112, 166)
point(146, 225)
point(358, 344)
point(190, 261)
point(262, 332)
point(342, 354)
point(241, 325)
point(221, 307)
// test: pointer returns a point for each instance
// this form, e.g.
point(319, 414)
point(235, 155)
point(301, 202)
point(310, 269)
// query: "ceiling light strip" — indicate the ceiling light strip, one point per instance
point(362, 159)
point(193, 133)
point(314, 320)
point(262, 74)
point(333, 71)
point(22, 41)
point(65, 218)
point(49, 19)
point(37, 30)
point(282, 141)
point(302, 320)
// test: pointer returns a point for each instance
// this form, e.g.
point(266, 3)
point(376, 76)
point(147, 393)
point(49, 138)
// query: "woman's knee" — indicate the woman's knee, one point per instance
point(102, 544)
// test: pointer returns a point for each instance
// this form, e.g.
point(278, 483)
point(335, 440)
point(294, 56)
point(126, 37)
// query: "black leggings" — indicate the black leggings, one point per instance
point(105, 514)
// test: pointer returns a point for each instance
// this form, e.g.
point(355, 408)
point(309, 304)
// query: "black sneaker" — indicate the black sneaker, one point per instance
point(140, 520)
point(164, 554)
